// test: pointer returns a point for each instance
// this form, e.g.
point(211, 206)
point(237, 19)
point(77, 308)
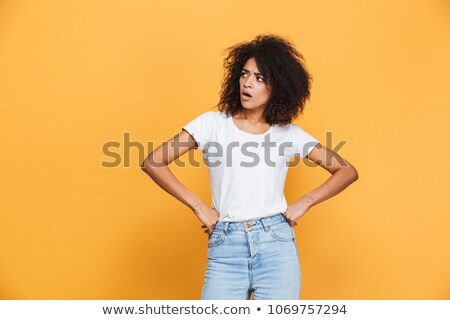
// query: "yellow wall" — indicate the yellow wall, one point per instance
point(75, 75)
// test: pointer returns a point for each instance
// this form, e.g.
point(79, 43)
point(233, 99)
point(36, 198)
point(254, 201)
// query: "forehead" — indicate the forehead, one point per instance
point(250, 64)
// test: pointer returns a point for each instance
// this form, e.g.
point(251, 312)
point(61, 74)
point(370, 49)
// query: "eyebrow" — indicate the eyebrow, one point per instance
point(257, 73)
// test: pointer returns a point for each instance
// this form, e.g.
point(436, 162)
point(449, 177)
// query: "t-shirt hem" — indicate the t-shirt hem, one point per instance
point(197, 146)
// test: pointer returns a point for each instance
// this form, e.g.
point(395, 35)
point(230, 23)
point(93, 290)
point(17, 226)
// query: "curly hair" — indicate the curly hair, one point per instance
point(283, 69)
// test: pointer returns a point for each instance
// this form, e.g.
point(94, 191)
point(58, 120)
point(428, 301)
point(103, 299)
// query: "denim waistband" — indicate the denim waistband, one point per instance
point(227, 226)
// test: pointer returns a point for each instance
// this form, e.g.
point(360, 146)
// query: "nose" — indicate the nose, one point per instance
point(248, 83)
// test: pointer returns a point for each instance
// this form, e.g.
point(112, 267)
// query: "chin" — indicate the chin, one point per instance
point(245, 105)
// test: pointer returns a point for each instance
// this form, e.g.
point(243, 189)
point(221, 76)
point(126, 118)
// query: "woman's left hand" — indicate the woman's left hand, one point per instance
point(296, 210)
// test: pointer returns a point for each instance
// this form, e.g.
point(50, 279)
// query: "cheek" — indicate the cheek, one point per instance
point(267, 94)
point(263, 92)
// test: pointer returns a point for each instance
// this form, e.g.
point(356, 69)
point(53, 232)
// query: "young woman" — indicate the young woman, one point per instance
point(248, 145)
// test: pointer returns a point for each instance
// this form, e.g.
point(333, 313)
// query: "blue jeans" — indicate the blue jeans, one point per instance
point(258, 256)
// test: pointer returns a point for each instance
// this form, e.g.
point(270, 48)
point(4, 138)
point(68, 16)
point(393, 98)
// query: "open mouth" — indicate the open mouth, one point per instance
point(246, 95)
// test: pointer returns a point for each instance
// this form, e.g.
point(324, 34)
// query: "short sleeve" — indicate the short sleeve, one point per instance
point(201, 128)
point(303, 142)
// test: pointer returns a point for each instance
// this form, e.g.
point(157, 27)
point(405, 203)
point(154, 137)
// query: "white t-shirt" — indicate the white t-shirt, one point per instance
point(247, 171)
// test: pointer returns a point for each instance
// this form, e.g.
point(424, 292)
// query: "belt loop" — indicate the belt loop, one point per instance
point(265, 224)
point(225, 228)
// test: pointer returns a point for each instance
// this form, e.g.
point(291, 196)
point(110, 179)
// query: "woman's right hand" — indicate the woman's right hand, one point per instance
point(208, 216)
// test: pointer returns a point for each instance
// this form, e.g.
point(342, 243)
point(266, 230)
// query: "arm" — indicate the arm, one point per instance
point(156, 166)
point(342, 175)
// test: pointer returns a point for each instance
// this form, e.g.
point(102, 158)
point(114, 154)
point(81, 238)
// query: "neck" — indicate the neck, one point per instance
point(254, 116)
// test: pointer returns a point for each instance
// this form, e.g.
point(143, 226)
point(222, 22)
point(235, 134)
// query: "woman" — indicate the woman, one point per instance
point(248, 145)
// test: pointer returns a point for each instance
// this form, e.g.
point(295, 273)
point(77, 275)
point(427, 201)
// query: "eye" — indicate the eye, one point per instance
point(243, 73)
point(260, 77)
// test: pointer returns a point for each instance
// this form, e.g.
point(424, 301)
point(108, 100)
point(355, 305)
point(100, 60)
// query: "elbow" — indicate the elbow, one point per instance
point(349, 172)
point(146, 166)
point(354, 174)
point(149, 165)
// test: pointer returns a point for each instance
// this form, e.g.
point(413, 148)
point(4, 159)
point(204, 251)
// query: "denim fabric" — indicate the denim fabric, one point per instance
point(257, 256)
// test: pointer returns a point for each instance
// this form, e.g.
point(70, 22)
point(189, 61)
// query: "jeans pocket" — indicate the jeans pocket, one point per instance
point(282, 232)
point(216, 239)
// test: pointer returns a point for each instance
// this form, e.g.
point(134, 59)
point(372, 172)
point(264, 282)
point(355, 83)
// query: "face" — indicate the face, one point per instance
point(254, 92)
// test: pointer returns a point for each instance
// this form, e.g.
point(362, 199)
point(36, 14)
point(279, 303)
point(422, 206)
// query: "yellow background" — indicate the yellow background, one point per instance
point(75, 75)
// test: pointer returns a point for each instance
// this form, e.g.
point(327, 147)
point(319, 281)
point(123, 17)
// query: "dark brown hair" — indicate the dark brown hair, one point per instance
point(283, 69)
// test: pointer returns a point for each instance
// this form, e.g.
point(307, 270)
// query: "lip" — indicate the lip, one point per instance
point(244, 97)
